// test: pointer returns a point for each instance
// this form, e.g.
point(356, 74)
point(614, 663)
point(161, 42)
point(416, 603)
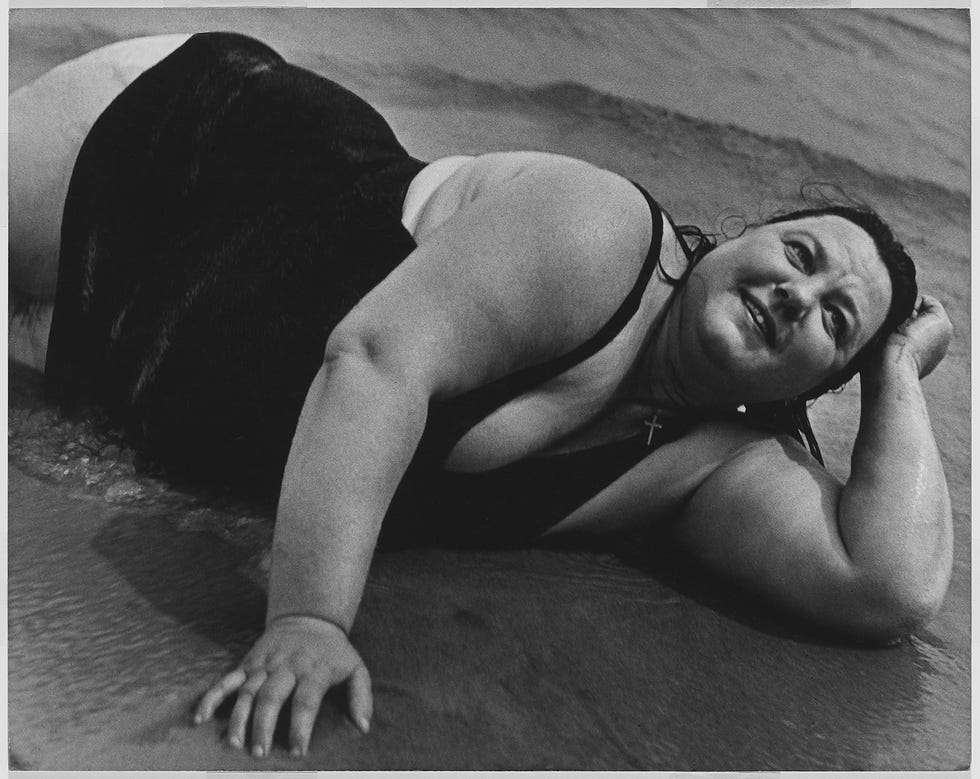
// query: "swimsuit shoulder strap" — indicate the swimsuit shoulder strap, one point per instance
point(451, 419)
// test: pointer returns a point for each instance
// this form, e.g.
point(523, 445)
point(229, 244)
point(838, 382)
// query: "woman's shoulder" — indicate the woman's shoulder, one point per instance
point(553, 177)
point(599, 208)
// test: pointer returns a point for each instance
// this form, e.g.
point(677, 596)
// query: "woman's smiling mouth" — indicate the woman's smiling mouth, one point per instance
point(761, 317)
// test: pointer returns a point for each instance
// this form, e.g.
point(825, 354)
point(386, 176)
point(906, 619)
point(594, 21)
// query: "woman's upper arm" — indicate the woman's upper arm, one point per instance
point(768, 517)
point(524, 273)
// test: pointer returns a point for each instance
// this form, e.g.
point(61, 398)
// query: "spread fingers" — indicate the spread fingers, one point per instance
point(243, 708)
point(268, 704)
point(306, 703)
point(360, 700)
point(214, 697)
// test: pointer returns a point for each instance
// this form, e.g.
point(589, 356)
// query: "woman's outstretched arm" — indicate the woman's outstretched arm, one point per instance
point(519, 276)
point(870, 557)
point(360, 423)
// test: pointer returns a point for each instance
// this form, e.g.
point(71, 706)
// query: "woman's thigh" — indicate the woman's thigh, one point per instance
point(49, 119)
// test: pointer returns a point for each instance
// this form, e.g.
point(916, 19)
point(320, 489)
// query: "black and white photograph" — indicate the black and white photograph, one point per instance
point(526, 388)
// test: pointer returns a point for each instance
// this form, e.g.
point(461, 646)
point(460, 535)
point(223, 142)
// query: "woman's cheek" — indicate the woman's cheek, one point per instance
point(719, 340)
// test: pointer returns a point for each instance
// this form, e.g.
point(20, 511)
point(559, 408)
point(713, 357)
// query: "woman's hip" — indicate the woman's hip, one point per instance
point(225, 212)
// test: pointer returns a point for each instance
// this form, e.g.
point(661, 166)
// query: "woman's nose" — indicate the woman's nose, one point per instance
point(794, 299)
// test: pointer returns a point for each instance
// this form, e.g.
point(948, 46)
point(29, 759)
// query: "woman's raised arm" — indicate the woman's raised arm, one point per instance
point(515, 278)
point(870, 557)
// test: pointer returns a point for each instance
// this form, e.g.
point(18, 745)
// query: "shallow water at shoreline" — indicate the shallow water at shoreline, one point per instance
point(531, 659)
point(889, 89)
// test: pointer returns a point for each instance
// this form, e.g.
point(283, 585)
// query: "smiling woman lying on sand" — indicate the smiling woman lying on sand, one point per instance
point(262, 285)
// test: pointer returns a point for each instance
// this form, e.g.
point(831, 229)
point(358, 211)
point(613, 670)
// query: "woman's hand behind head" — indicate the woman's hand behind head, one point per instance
point(924, 336)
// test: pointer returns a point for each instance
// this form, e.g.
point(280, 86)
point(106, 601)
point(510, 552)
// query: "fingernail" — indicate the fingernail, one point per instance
point(258, 751)
point(198, 719)
point(296, 752)
point(363, 724)
point(235, 742)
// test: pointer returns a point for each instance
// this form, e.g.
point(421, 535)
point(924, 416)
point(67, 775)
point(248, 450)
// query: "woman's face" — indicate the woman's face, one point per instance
point(783, 307)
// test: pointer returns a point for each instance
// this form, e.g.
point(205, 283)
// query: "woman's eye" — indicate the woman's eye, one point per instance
point(800, 256)
point(838, 322)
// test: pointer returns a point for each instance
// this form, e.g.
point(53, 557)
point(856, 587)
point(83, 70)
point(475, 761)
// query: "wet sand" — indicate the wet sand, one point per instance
point(128, 593)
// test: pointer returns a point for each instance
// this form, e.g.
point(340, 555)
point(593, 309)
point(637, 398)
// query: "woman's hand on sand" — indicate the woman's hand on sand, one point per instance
point(925, 335)
point(297, 656)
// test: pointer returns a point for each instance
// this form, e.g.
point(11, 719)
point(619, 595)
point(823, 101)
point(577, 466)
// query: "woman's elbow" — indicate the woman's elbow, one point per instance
point(378, 352)
point(896, 606)
point(899, 590)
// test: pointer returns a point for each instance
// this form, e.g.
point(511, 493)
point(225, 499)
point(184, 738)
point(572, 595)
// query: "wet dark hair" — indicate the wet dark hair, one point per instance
point(789, 414)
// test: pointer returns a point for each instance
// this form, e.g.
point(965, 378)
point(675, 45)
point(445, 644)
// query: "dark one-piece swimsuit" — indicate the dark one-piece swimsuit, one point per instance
point(225, 212)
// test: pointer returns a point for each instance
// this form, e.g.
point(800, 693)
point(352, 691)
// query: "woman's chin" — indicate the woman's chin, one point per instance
point(742, 373)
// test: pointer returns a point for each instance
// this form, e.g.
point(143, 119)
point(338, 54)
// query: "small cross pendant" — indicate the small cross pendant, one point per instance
point(653, 424)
